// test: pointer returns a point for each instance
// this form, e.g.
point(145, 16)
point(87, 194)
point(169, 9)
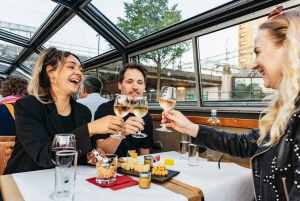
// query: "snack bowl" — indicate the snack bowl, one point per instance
point(106, 169)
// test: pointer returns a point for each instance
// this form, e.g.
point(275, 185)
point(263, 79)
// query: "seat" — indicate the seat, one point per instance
point(6, 147)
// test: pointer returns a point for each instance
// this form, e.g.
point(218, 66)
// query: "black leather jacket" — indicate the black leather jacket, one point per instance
point(275, 169)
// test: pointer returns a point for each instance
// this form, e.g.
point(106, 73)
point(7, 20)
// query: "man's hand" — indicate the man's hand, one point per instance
point(132, 125)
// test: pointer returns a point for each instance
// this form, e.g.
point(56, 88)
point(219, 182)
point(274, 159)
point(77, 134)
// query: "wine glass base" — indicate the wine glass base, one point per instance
point(164, 130)
point(140, 135)
point(51, 196)
point(118, 136)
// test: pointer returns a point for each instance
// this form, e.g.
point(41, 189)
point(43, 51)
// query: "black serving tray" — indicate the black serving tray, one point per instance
point(154, 178)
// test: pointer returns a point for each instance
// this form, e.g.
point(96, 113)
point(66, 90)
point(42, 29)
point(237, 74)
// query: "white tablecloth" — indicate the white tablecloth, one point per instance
point(230, 183)
point(38, 185)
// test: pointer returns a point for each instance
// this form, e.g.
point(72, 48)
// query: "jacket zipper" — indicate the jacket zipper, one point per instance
point(257, 155)
point(285, 189)
point(252, 169)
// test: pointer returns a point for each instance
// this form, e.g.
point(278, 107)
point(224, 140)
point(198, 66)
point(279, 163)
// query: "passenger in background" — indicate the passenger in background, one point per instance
point(12, 89)
point(49, 110)
point(132, 81)
point(90, 94)
point(275, 146)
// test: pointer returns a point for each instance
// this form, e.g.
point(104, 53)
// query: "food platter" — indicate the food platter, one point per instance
point(154, 178)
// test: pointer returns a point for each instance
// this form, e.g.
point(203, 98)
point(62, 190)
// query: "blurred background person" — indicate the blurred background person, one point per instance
point(11, 90)
point(90, 93)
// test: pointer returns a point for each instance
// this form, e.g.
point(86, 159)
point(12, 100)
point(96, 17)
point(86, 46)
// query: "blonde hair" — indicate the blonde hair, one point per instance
point(283, 30)
point(39, 86)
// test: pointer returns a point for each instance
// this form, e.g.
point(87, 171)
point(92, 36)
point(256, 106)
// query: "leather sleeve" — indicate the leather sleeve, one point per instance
point(294, 194)
point(239, 145)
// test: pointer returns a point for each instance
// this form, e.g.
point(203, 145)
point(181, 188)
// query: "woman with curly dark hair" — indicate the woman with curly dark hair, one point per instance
point(12, 89)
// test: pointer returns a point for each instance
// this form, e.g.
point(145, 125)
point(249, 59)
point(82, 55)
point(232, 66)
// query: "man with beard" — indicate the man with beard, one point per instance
point(132, 82)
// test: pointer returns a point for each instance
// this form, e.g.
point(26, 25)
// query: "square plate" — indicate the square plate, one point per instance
point(155, 178)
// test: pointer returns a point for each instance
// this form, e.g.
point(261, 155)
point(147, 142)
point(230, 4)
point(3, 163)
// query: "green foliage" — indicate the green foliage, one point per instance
point(144, 17)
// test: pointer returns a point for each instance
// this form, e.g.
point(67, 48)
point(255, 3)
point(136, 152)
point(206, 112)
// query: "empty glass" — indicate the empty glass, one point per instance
point(184, 143)
point(193, 155)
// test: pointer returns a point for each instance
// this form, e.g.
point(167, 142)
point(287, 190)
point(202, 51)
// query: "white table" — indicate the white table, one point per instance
point(231, 182)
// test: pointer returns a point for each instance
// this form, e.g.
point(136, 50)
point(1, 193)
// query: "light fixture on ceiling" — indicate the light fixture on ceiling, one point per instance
point(180, 88)
point(152, 90)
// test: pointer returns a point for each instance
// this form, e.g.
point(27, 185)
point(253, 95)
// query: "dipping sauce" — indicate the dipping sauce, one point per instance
point(145, 180)
point(148, 160)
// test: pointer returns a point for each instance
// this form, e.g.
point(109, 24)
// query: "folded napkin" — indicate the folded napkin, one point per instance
point(121, 182)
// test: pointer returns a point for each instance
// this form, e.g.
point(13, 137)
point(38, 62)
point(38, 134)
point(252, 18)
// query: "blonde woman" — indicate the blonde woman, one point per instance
point(49, 110)
point(275, 146)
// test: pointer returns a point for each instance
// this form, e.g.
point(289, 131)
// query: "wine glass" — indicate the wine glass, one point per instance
point(140, 109)
point(62, 142)
point(122, 107)
point(167, 100)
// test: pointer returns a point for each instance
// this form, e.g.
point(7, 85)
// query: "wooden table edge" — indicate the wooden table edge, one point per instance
point(10, 191)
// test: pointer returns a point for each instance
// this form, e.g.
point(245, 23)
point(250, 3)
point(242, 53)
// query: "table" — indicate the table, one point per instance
point(231, 182)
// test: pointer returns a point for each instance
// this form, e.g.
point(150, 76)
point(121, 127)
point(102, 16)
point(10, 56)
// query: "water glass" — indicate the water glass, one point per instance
point(213, 155)
point(184, 143)
point(65, 174)
point(106, 169)
point(193, 155)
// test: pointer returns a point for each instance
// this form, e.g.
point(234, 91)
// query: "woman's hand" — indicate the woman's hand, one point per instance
point(108, 124)
point(179, 122)
point(132, 125)
point(91, 158)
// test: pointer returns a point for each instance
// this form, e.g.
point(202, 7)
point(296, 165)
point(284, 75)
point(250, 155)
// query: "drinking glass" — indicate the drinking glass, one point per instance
point(193, 155)
point(61, 142)
point(167, 100)
point(140, 109)
point(122, 107)
point(185, 140)
point(65, 174)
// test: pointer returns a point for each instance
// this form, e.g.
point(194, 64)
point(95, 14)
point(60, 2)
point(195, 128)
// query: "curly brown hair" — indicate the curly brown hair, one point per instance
point(14, 86)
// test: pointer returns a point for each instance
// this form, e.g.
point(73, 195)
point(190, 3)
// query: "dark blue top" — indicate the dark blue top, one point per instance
point(7, 122)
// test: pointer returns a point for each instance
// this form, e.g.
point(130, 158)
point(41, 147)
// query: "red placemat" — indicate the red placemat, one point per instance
point(121, 182)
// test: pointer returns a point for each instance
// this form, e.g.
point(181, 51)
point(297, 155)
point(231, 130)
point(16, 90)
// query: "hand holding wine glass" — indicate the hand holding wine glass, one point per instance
point(140, 109)
point(122, 107)
point(167, 101)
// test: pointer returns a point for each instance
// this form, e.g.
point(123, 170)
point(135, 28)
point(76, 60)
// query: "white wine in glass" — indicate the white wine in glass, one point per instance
point(167, 100)
point(122, 107)
point(140, 109)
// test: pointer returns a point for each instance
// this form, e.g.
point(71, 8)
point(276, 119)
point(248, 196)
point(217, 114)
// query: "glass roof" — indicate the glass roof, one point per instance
point(3, 67)
point(9, 51)
point(30, 62)
point(24, 17)
point(21, 73)
point(151, 16)
point(79, 38)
